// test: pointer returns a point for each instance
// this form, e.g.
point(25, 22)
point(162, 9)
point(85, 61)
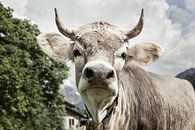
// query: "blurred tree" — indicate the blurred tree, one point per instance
point(29, 80)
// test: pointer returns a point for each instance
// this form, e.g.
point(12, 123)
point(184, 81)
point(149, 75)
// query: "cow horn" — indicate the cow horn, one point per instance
point(137, 29)
point(62, 28)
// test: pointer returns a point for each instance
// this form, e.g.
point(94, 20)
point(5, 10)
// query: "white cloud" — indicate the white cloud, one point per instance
point(164, 23)
point(19, 7)
point(178, 15)
point(190, 4)
point(182, 55)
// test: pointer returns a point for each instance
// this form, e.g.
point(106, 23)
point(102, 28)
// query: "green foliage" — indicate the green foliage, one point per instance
point(29, 80)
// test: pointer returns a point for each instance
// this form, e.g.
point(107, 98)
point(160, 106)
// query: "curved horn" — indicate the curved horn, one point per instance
point(62, 28)
point(137, 29)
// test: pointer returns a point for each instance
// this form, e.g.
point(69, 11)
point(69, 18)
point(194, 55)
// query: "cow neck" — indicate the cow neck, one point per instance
point(111, 110)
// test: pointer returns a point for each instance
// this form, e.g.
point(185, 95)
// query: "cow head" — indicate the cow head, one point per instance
point(99, 51)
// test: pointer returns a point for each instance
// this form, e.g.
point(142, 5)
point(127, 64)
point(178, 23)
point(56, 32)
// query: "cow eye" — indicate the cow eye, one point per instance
point(123, 55)
point(76, 53)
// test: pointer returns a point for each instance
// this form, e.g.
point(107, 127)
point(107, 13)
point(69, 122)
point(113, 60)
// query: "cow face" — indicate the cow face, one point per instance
point(99, 51)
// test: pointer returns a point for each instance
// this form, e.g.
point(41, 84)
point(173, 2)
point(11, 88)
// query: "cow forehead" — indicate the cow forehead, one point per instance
point(101, 40)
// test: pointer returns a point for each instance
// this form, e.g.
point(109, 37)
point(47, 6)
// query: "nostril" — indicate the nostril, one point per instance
point(89, 73)
point(110, 74)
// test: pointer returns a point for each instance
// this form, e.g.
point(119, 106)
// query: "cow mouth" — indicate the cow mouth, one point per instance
point(99, 89)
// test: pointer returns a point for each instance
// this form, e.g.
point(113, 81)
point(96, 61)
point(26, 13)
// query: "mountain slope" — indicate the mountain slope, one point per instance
point(189, 75)
point(71, 94)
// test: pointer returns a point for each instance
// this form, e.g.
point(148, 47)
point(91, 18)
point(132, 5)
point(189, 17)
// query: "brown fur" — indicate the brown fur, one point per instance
point(149, 101)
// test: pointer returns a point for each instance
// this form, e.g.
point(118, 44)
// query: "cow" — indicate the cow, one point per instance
point(118, 93)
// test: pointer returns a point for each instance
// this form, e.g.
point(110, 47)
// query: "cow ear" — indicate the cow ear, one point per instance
point(144, 53)
point(55, 46)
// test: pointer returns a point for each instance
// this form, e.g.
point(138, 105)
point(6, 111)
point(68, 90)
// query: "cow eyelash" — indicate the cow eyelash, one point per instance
point(76, 53)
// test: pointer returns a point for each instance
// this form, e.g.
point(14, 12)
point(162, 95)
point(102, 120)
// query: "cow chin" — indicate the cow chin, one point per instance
point(98, 98)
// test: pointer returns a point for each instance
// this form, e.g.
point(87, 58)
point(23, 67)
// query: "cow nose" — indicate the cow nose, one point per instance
point(89, 73)
point(110, 74)
point(93, 72)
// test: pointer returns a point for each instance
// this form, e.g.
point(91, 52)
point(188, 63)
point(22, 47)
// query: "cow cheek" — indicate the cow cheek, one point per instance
point(119, 63)
point(79, 65)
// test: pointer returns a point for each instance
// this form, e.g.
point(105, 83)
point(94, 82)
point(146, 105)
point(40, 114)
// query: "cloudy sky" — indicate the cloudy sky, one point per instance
point(170, 23)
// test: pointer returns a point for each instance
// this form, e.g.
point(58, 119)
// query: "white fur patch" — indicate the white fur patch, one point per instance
point(79, 64)
point(119, 61)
